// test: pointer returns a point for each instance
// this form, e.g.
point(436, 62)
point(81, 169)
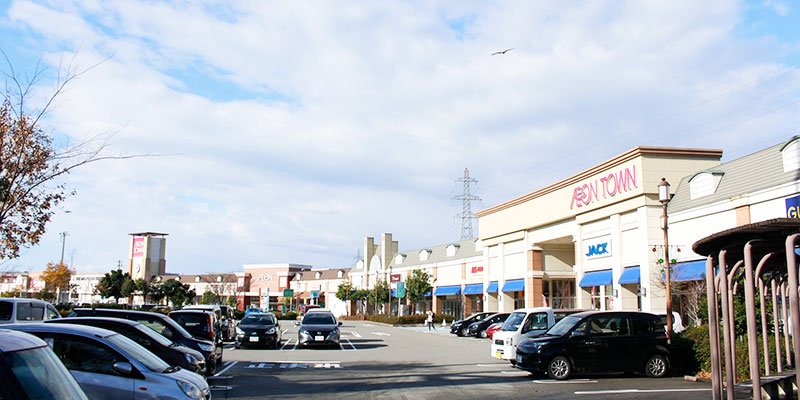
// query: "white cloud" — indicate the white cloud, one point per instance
point(351, 119)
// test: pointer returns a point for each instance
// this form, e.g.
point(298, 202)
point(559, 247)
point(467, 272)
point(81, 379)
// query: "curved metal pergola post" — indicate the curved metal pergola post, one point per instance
point(791, 267)
point(713, 330)
point(764, 336)
point(775, 327)
point(726, 332)
point(750, 312)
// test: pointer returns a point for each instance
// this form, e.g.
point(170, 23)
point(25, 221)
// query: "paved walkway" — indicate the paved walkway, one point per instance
point(440, 330)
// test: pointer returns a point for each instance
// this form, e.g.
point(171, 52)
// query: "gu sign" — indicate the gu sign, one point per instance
point(793, 207)
point(597, 248)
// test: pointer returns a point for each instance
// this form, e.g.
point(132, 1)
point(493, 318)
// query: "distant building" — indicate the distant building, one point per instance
point(319, 287)
point(83, 288)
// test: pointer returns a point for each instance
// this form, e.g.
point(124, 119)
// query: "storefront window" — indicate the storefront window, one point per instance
point(560, 293)
point(609, 297)
point(519, 300)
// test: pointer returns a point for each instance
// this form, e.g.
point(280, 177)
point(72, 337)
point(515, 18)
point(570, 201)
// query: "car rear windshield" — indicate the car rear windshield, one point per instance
point(319, 319)
point(192, 322)
point(258, 320)
point(41, 375)
point(5, 310)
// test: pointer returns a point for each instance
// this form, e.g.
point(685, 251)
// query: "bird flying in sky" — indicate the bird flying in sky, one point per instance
point(502, 52)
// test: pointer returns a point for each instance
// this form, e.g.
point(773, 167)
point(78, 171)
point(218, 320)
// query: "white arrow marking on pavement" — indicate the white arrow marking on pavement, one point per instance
point(327, 365)
point(621, 391)
point(230, 364)
point(381, 334)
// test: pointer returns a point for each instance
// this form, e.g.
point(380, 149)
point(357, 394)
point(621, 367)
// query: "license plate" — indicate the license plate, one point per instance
point(498, 354)
point(254, 338)
point(319, 338)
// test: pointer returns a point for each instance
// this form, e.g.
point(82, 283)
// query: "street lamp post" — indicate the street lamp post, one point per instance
point(63, 242)
point(664, 198)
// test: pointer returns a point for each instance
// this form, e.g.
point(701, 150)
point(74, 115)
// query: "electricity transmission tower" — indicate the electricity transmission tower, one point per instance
point(466, 198)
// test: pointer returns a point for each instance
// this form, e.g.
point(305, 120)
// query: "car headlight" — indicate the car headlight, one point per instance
point(271, 331)
point(190, 390)
point(303, 331)
point(239, 331)
point(206, 347)
point(190, 358)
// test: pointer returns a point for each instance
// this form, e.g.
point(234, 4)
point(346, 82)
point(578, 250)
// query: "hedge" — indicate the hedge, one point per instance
point(416, 319)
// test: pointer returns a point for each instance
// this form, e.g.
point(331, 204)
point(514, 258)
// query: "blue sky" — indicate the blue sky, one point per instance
point(289, 131)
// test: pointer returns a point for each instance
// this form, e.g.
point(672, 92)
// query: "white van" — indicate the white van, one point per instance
point(524, 322)
point(14, 310)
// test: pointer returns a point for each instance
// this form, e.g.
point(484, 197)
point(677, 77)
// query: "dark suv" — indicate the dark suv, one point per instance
point(598, 341)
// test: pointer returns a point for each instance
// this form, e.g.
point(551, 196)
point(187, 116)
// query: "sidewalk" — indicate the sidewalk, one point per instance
point(440, 330)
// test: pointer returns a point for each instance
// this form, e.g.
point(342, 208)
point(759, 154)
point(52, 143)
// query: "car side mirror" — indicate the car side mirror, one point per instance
point(340, 323)
point(122, 368)
point(296, 323)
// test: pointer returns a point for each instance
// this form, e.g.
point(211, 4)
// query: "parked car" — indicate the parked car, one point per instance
point(492, 329)
point(460, 327)
point(14, 310)
point(478, 329)
point(171, 352)
point(304, 308)
point(31, 371)
point(165, 326)
point(110, 366)
point(318, 327)
point(258, 329)
point(221, 328)
point(599, 341)
point(522, 321)
point(202, 324)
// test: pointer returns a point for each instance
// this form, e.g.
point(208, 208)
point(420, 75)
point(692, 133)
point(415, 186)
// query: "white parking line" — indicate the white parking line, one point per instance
point(563, 382)
point(381, 334)
point(356, 334)
point(369, 325)
point(227, 367)
point(286, 343)
point(349, 343)
point(494, 365)
point(283, 332)
point(623, 391)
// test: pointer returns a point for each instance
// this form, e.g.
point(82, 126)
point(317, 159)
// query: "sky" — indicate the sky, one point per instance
point(286, 132)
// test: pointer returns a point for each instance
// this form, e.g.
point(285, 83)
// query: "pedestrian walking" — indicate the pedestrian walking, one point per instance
point(429, 320)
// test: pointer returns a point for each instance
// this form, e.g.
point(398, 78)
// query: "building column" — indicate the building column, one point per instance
point(534, 278)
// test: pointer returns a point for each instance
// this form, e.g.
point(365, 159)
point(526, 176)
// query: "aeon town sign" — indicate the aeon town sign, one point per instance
point(604, 187)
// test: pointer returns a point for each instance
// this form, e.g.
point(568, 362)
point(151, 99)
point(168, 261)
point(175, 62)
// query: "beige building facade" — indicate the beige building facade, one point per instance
point(586, 241)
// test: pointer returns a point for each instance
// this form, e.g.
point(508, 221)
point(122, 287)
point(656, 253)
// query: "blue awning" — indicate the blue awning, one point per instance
point(689, 271)
point(516, 285)
point(394, 292)
point(428, 293)
point(630, 276)
point(596, 278)
point(492, 287)
point(475, 288)
point(447, 290)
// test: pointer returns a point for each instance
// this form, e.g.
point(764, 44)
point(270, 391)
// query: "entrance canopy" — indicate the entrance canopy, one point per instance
point(596, 278)
point(492, 287)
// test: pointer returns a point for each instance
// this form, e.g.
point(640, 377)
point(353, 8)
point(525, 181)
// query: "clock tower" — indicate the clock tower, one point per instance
point(147, 255)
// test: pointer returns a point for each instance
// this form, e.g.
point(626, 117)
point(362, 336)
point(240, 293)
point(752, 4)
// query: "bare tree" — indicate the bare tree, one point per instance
point(32, 164)
point(222, 286)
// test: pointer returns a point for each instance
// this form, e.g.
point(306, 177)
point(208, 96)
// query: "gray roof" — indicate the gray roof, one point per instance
point(466, 248)
point(751, 173)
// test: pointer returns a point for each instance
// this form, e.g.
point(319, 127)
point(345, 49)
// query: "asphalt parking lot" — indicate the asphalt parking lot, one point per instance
point(377, 361)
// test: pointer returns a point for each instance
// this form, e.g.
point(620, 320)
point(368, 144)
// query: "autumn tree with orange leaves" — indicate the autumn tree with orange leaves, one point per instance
point(32, 165)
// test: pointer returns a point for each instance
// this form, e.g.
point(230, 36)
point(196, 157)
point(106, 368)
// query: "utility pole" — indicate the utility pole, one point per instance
point(63, 241)
point(466, 198)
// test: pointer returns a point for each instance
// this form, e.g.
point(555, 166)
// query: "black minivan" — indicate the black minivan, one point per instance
point(164, 325)
point(598, 341)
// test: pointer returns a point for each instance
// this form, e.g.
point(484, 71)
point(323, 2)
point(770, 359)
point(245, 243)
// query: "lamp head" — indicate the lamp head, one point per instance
point(663, 191)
